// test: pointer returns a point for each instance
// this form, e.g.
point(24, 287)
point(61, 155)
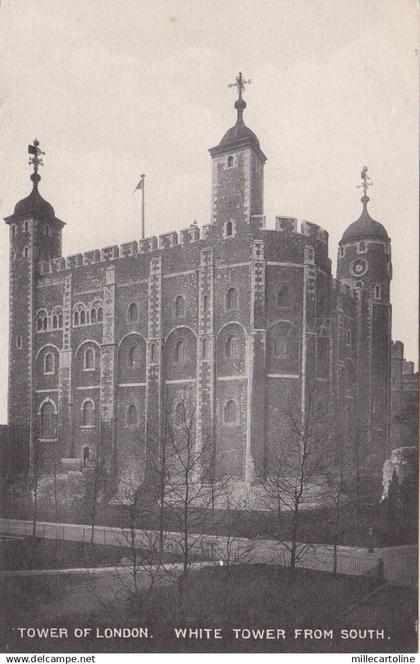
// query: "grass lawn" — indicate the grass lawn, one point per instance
point(37, 553)
point(244, 597)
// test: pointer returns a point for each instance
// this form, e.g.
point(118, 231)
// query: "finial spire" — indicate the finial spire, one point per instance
point(240, 84)
point(366, 183)
point(35, 160)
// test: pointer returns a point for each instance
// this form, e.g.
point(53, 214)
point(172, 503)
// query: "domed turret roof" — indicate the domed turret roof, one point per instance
point(34, 204)
point(239, 132)
point(239, 135)
point(365, 227)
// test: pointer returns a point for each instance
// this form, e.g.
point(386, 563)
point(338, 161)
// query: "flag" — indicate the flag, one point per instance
point(139, 186)
point(32, 149)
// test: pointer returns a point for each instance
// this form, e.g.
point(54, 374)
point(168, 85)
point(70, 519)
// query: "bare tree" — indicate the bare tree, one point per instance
point(296, 468)
point(337, 478)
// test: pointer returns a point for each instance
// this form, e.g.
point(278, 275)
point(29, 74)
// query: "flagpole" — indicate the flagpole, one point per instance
point(142, 205)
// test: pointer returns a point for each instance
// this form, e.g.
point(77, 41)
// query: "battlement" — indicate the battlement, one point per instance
point(397, 349)
point(107, 254)
point(289, 225)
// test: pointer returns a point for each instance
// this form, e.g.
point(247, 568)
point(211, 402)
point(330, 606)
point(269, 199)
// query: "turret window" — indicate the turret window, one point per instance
point(230, 161)
point(133, 357)
point(377, 292)
point(49, 363)
point(341, 252)
point(229, 229)
point(48, 415)
point(132, 312)
point(19, 342)
point(231, 299)
point(179, 306)
point(361, 247)
point(348, 338)
point(89, 360)
point(25, 226)
point(232, 348)
point(230, 412)
point(25, 252)
point(180, 353)
point(88, 413)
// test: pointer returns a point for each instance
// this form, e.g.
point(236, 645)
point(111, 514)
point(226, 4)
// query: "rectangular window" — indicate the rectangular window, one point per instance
point(19, 342)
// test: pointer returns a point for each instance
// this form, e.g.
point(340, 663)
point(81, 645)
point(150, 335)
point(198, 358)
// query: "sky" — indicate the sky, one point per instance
point(116, 88)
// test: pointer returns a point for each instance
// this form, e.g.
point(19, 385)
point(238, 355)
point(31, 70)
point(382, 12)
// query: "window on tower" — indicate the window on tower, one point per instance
point(48, 420)
point(132, 312)
point(180, 353)
point(89, 360)
point(230, 412)
point(25, 226)
point(88, 413)
point(179, 306)
point(230, 161)
point(377, 292)
point(49, 363)
point(232, 348)
point(229, 229)
point(231, 299)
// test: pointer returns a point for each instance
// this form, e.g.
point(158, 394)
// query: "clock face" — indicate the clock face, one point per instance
point(358, 267)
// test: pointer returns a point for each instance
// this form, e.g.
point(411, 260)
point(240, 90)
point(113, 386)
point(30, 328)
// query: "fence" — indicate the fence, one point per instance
point(209, 547)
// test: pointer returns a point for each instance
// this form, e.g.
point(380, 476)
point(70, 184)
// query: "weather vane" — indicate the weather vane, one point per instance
point(36, 159)
point(240, 84)
point(366, 181)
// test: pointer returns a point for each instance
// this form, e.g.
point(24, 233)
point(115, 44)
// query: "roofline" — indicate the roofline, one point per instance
point(241, 143)
point(12, 217)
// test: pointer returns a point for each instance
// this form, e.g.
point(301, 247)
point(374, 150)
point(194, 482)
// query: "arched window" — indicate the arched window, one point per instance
point(230, 412)
point(153, 353)
point(205, 302)
point(232, 348)
point(82, 317)
point(93, 316)
point(60, 320)
point(228, 229)
point(179, 306)
point(377, 292)
point(100, 315)
point(205, 349)
point(133, 357)
point(179, 414)
point(362, 246)
point(230, 162)
point(86, 454)
point(132, 312)
point(39, 323)
point(88, 413)
point(45, 323)
point(76, 318)
point(231, 299)
point(55, 322)
point(48, 420)
point(26, 226)
point(180, 351)
point(279, 346)
point(89, 359)
point(348, 338)
point(283, 297)
point(49, 363)
point(131, 415)
point(25, 252)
